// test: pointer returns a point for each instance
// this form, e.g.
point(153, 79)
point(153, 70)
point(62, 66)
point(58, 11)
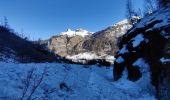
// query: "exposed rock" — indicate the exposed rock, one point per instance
point(64, 45)
point(58, 45)
point(105, 42)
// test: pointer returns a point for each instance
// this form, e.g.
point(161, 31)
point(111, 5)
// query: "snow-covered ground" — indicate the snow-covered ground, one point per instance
point(6, 58)
point(8, 55)
point(69, 82)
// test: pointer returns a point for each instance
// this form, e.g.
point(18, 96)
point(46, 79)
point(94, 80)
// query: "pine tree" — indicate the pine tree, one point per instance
point(6, 22)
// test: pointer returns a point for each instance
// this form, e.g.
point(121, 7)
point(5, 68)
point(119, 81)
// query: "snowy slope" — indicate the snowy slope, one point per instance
point(8, 55)
point(122, 27)
point(79, 32)
point(81, 83)
point(9, 58)
point(125, 21)
point(86, 55)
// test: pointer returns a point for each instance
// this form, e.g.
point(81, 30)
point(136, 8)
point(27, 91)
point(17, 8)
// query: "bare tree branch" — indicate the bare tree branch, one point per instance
point(32, 82)
point(27, 82)
point(37, 83)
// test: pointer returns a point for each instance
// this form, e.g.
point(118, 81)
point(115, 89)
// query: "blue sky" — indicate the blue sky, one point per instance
point(44, 18)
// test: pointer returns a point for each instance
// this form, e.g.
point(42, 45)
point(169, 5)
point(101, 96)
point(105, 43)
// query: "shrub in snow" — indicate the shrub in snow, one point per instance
point(31, 83)
point(64, 86)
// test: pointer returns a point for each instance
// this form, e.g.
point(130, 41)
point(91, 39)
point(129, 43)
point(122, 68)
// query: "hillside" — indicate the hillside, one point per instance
point(144, 52)
point(21, 50)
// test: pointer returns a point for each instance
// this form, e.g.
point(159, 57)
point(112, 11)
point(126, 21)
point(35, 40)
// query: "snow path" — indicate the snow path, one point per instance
point(94, 83)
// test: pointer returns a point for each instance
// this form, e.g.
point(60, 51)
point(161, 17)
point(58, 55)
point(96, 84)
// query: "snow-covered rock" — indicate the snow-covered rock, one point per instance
point(137, 40)
point(119, 60)
point(123, 50)
point(145, 50)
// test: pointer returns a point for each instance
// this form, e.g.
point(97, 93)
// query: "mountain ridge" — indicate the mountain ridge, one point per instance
point(101, 43)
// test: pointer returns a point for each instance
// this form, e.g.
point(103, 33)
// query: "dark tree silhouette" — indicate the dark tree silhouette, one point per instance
point(163, 3)
point(150, 6)
point(130, 11)
point(6, 25)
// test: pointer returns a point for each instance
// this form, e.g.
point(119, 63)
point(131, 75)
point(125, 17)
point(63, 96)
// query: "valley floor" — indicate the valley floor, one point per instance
point(69, 82)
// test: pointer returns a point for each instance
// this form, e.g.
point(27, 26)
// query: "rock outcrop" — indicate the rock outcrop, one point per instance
point(145, 52)
point(64, 45)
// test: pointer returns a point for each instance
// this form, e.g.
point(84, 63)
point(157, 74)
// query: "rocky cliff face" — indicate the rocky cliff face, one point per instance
point(101, 43)
point(105, 42)
point(64, 45)
point(145, 53)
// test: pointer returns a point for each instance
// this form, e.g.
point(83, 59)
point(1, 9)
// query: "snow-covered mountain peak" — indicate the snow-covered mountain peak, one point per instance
point(125, 21)
point(121, 27)
point(79, 32)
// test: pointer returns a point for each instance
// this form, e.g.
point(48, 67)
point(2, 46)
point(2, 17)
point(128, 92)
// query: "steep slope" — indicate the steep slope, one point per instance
point(64, 45)
point(144, 52)
point(105, 42)
point(12, 46)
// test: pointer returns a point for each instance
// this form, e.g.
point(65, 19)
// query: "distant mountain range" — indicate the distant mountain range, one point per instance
point(77, 45)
